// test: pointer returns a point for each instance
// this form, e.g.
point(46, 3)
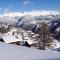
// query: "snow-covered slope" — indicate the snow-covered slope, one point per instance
point(30, 22)
point(37, 17)
point(13, 52)
point(55, 28)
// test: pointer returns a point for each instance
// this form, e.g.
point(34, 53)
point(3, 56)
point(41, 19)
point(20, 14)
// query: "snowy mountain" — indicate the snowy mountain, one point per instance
point(12, 17)
point(31, 19)
point(55, 28)
point(31, 22)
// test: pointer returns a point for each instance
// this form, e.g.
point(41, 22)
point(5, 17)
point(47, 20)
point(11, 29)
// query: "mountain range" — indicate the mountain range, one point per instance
point(30, 20)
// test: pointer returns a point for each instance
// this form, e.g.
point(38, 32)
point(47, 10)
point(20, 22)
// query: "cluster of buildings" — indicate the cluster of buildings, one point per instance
point(19, 36)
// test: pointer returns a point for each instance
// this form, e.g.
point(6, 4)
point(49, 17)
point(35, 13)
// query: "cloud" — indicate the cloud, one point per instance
point(13, 14)
point(27, 2)
point(32, 13)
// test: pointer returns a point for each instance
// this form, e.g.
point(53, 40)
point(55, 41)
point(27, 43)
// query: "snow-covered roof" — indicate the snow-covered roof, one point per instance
point(29, 41)
point(10, 38)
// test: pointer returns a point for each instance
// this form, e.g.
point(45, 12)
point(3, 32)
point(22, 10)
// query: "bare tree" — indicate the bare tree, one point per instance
point(44, 39)
point(3, 29)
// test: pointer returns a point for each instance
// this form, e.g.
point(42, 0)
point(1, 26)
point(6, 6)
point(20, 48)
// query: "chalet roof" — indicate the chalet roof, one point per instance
point(10, 38)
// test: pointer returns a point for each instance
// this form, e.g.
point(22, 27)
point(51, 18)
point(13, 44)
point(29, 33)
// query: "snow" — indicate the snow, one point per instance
point(55, 24)
point(57, 44)
point(58, 29)
point(28, 20)
point(29, 41)
point(9, 39)
point(14, 52)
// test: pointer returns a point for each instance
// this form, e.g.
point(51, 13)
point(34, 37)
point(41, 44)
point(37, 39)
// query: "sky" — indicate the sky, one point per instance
point(28, 5)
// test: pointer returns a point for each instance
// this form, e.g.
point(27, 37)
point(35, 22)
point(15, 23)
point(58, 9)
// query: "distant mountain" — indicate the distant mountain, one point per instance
point(37, 15)
point(31, 21)
point(55, 28)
